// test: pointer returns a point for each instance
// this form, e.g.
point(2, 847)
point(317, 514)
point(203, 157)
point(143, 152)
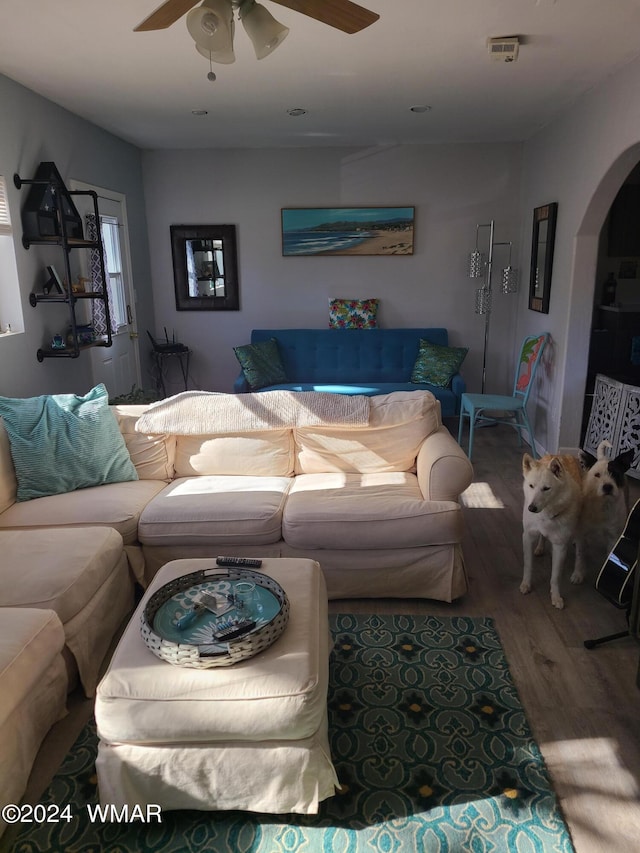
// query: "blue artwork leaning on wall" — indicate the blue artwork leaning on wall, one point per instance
point(347, 231)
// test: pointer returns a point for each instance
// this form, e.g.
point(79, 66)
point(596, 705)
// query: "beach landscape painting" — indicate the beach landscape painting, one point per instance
point(347, 231)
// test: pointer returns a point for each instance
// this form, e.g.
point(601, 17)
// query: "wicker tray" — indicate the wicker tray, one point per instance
point(200, 649)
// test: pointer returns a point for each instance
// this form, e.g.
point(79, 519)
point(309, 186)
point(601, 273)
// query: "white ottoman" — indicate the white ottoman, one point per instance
point(251, 736)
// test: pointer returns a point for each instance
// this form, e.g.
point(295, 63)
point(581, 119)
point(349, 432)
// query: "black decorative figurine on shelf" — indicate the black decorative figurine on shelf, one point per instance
point(46, 193)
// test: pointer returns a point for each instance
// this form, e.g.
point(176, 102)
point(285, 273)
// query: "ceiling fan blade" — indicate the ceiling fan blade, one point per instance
point(341, 14)
point(166, 15)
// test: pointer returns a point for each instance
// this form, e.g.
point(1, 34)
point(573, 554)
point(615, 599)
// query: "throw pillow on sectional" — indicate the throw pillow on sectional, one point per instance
point(63, 442)
point(261, 364)
point(353, 313)
point(437, 365)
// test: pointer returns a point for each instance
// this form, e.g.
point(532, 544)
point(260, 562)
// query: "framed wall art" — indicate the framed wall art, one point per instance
point(347, 231)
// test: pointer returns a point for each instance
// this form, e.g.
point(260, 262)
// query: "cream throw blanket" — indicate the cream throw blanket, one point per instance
point(208, 412)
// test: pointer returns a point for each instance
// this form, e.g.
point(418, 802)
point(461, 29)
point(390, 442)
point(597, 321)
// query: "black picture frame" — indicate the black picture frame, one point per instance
point(205, 267)
point(542, 245)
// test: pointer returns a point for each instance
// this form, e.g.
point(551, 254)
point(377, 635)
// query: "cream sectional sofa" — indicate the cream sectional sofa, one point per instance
point(64, 594)
point(367, 486)
point(375, 503)
point(33, 690)
point(373, 497)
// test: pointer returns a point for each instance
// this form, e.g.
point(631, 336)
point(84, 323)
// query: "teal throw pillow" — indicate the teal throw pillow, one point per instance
point(62, 442)
point(437, 365)
point(261, 364)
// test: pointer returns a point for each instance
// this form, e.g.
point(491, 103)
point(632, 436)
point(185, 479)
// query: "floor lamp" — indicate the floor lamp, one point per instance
point(481, 266)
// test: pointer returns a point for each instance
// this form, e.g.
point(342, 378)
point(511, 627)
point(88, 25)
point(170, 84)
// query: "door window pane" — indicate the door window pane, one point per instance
point(113, 261)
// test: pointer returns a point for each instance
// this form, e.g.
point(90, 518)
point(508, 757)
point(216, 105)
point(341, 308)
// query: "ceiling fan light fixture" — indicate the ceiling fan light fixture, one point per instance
point(223, 57)
point(211, 26)
point(262, 28)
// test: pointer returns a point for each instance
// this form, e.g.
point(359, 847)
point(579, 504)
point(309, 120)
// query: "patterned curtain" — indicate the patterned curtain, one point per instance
point(99, 313)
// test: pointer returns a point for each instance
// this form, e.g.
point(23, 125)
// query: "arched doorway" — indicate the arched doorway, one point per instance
point(583, 288)
point(615, 328)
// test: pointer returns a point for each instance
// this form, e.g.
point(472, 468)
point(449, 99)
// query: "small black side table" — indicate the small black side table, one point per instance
point(160, 362)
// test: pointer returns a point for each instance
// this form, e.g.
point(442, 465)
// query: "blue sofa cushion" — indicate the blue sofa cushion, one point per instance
point(359, 361)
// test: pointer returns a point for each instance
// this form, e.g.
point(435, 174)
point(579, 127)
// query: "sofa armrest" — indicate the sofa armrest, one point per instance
point(241, 386)
point(458, 385)
point(443, 468)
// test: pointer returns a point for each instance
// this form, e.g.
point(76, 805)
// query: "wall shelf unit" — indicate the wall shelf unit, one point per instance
point(50, 218)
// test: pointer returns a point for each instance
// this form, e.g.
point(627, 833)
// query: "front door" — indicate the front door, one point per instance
point(118, 366)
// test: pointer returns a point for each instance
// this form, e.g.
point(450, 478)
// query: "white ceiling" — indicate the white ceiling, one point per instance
point(357, 89)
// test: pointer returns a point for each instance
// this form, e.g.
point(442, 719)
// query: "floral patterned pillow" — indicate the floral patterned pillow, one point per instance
point(353, 313)
point(437, 365)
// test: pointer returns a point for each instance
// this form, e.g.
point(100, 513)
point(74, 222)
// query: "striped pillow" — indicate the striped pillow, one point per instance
point(62, 442)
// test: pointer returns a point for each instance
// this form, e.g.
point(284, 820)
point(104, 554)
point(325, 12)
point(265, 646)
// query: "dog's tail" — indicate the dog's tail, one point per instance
point(601, 452)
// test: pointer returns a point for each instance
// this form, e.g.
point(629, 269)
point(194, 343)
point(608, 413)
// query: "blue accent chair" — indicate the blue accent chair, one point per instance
point(513, 408)
point(355, 361)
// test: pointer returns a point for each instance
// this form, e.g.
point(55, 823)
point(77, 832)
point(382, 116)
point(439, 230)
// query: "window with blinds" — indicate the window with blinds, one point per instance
point(5, 221)
point(11, 318)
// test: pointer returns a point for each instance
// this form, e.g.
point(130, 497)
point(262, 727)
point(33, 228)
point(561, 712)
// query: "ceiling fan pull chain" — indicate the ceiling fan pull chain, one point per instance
point(211, 75)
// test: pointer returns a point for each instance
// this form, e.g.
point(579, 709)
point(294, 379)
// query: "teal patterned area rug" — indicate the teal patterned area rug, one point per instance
point(431, 745)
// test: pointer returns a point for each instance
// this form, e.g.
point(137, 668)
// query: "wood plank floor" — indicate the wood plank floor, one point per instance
point(583, 705)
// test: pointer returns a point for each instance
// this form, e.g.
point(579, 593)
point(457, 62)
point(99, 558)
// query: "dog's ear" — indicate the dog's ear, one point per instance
point(527, 463)
point(587, 460)
point(556, 467)
point(623, 461)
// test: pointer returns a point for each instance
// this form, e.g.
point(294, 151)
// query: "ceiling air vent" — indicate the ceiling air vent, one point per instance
point(504, 49)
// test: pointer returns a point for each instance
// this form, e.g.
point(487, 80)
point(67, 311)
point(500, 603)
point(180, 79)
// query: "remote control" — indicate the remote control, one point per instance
point(239, 562)
point(236, 629)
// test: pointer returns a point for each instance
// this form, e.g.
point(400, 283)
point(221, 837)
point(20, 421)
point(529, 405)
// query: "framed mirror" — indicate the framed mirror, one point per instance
point(205, 267)
point(544, 233)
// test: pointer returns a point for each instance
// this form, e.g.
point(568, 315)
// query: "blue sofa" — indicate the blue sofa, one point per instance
point(355, 361)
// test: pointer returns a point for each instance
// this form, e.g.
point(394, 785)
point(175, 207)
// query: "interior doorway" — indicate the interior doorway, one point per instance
point(572, 373)
point(614, 345)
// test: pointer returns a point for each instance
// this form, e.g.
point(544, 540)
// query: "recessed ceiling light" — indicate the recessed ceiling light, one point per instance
point(297, 111)
point(420, 108)
point(199, 112)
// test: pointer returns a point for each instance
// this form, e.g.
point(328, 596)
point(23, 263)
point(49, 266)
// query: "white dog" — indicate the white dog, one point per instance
point(552, 509)
point(605, 499)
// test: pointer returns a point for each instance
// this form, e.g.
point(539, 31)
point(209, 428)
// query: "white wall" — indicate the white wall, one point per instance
point(453, 188)
point(35, 129)
point(579, 161)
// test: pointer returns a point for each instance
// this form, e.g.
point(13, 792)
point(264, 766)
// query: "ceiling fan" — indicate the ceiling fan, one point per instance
point(211, 24)
point(341, 14)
